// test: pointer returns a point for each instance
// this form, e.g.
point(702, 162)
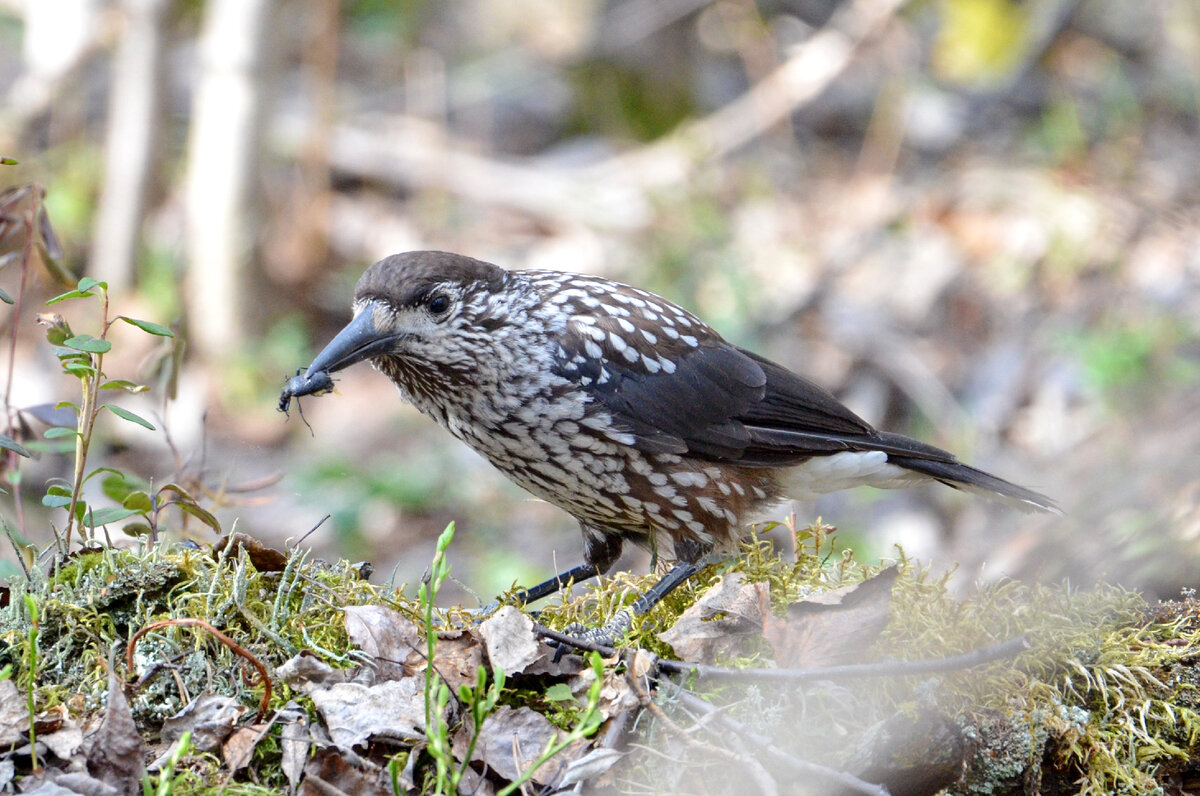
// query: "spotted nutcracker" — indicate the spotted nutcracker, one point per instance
point(619, 407)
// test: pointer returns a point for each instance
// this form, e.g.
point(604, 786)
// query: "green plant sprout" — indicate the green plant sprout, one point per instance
point(437, 693)
point(479, 700)
point(82, 356)
point(167, 778)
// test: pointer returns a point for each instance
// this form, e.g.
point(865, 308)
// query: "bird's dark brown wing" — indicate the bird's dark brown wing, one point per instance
point(691, 392)
point(722, 403)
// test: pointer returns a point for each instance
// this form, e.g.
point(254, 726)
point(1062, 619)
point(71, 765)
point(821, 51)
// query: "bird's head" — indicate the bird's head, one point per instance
point(425, 313)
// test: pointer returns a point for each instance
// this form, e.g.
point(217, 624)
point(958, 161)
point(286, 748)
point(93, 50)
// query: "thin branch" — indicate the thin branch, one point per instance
point(993, 652)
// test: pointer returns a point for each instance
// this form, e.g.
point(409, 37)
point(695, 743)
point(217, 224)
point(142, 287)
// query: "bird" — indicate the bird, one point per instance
point(619, 407)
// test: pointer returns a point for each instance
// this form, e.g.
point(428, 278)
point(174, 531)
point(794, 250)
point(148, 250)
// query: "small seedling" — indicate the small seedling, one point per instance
point(82, 356)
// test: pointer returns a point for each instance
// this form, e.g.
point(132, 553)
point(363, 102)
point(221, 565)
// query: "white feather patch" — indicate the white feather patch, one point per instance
point(822, 474)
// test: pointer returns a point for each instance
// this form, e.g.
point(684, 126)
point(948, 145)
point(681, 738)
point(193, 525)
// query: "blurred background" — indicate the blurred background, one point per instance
point(976, 221)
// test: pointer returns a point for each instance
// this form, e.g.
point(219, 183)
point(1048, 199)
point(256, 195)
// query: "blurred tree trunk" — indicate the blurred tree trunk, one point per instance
point(58, 36)
point(133, 124)
point(226, 118)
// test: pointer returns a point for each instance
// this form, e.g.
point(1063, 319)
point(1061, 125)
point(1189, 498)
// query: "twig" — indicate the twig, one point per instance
point(1004, 649)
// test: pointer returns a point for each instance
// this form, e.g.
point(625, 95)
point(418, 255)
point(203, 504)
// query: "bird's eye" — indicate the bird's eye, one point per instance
point(439, 303)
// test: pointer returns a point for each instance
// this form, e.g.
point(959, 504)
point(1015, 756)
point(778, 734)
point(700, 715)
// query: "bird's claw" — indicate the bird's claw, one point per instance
point(590, 638)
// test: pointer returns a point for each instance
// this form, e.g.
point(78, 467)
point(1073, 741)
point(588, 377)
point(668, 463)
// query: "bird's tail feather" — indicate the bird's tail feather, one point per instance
point(962, 476)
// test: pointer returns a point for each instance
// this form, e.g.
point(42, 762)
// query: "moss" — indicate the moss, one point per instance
point(1106, 699)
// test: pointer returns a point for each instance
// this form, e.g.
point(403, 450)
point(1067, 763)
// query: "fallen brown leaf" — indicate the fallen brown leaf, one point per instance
point(832, 628)
point(720, 622)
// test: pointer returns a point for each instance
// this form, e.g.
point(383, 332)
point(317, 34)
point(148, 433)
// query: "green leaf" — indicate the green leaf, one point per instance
point(85, 342)
point(125, 414)
point(70, 294)
point(8, 161)
point(124, 384)
point(138, 501)
point(148, 326)
point(78, 369)
point(56, 501)
point(10, 444)
point(137, 529)
point(559, 692)
point(87, 283)
point(58, 489)
point(200, 514)
point(118, 485)
point(104, 516)
point(51, 446)
point(58, 432)
point(7, 299)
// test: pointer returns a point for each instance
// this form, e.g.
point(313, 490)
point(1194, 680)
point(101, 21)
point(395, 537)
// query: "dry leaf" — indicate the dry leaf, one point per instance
point(64, 743)
point(510, 740)
point(832, 628)
point(114, 753)
point(720, 622)
point(456, 662)
point(330, 771)
point(295, 741)
point(239, 747)
point(510, 640)
point(210, 718)
point(356, 713)
point(14, 715)
point(264, 559)
point(387, 636)
point(306, 672)
point(616, 695)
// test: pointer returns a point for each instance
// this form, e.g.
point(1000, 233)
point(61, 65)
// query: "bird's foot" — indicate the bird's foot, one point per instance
point(591, 638)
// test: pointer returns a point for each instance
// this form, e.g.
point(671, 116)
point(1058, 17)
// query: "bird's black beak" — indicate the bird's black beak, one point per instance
point(360, 340)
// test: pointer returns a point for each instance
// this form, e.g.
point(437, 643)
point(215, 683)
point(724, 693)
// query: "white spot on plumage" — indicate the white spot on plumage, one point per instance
point(592, 349)
point(651, 365)
point(689, 340)
point(631, 355)
point(617, 342)
point(667, 365)
point(626, 326)
point(686, 478)
point(650, 336)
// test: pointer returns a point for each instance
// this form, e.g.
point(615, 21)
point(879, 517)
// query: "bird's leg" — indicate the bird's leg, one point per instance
point(600, 551)
point(557, 583)
point(547, 587)
point(622, 620)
